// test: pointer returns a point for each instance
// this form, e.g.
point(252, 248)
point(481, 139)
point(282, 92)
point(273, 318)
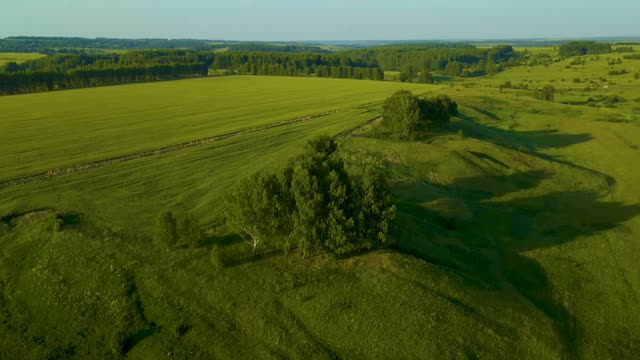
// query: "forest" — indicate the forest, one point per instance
point(414, 61)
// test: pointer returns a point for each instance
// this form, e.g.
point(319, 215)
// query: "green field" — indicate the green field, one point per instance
point(17, 57)
point(75, 127)
point(517, 240)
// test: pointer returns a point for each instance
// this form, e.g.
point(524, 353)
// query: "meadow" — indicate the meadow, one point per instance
point(17, 57)
point(75, 127)
point(516, 234)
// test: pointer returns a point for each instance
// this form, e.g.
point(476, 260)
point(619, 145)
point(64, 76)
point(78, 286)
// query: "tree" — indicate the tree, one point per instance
point(437, 111)
point(252, 209)
point(166, 229)
point(402, 113)
point(547, 93)
point(425, 77)
point(376, 210)
point(406, 113)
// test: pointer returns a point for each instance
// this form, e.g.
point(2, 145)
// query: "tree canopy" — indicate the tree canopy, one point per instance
point(313, 203)
point(406, 113)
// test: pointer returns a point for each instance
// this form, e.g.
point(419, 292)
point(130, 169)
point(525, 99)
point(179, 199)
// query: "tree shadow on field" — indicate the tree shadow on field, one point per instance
point(531, 140)
point(465, 228)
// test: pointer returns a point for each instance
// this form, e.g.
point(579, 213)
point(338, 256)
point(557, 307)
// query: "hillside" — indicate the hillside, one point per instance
point(515, 238)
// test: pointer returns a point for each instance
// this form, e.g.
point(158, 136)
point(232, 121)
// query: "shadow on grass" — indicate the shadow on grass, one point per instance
point(485, 246)
point(532, 140)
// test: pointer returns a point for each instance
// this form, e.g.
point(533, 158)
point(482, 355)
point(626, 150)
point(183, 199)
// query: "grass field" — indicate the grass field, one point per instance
point(518, 240)
point(17, 57)
point(75, 127)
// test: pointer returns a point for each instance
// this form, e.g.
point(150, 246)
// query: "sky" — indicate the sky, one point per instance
point(296, 20)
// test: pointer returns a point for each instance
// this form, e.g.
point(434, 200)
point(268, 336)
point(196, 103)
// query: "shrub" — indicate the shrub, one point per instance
point(461, 134)
point(636, 76)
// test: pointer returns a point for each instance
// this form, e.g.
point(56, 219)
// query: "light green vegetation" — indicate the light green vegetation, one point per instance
point(576, 84)
point(17, 57)
point(75, 127)
point(523, 233)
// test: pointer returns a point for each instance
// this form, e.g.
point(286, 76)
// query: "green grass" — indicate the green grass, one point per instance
point(75, 127)
point(517, 241)
point(17, 57)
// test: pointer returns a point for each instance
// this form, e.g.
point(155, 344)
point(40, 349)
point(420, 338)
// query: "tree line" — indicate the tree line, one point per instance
point(579, 48)
point(297, 64)
point(77, 45)
point(416, 62)
point(77, 71)
point(40, 81)
point(450, 59)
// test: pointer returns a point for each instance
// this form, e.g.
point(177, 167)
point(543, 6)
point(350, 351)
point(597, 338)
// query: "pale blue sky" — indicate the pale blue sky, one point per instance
point(322, 19)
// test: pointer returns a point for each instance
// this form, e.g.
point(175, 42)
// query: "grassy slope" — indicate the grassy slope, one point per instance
point(540, 263)
point(74, 127)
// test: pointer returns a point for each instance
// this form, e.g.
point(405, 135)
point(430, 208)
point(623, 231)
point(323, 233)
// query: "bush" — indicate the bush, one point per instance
point(636, 76)
point(461, 134)
point(547, 93)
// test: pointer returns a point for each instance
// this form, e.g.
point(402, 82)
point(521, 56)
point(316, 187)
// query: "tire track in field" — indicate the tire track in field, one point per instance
point(154, 152)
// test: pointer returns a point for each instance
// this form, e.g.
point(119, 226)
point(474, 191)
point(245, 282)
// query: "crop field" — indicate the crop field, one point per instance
point(516, 236)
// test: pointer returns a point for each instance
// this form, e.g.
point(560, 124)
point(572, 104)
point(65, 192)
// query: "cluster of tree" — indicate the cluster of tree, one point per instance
point(547, 93)
point(12, 83)
point(579, 48)
point(407, 114)
point(77, 45)
point(615, 61)
point(410, 73)
point(632, 57)
point(618, 72)
point(171, 232)
point(296, 64)
point(410, 60)
point(47, 45)
point(286, 48)
point(452, 59)
point(624, 49)
point(77, 71)
point(509, 85)
point(314, 204)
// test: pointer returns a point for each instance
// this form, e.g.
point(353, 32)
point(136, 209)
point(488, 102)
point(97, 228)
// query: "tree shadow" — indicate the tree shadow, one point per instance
point(485, 246)
point(533, 140)
point(489, 114)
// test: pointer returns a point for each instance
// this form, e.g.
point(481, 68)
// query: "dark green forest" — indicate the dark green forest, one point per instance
point(415, 62)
